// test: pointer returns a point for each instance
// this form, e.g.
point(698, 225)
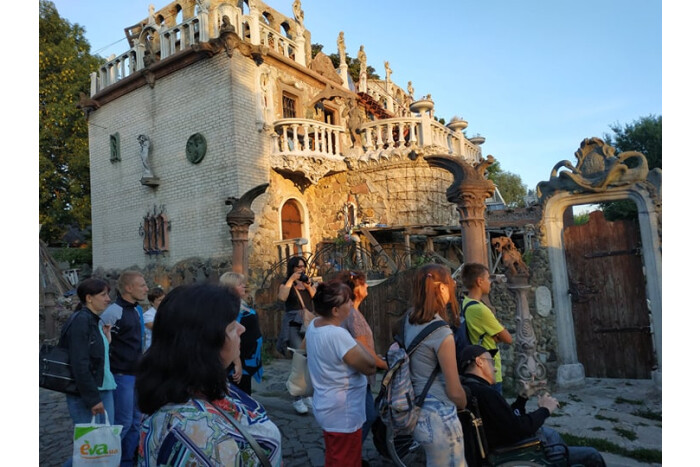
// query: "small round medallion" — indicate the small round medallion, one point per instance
point(196, 148)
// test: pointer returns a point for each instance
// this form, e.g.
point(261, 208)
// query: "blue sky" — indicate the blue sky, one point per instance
point(534, 78)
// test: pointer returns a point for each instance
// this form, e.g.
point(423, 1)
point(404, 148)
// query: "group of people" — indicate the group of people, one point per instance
point(139, 369)
point(180, 383)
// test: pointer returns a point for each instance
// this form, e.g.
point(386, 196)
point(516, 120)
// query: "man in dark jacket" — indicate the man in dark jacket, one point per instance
point(126, 317)
point(506, 424)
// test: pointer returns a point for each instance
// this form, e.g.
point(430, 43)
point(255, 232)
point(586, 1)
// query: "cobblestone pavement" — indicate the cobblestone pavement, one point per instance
point(606, 409)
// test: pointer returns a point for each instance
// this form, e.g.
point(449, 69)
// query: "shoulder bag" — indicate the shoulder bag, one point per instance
point(55, 372)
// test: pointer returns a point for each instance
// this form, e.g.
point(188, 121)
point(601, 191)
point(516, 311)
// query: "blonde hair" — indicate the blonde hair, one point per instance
point(126, 278)
point(232, 279)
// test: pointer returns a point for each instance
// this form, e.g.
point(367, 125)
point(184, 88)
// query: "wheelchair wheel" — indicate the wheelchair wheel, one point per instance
point(404, 450)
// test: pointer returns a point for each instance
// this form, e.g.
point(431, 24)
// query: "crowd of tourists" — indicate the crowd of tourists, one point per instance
point(178, 377)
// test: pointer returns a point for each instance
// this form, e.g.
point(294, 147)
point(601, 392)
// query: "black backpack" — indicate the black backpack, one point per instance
point(461, 334)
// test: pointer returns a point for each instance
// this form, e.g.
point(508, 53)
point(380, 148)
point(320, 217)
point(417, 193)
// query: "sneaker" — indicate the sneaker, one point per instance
point(300, 407)
point(309, 402)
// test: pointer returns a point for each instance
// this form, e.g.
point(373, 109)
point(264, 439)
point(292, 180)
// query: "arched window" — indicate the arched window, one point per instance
point(292, 221)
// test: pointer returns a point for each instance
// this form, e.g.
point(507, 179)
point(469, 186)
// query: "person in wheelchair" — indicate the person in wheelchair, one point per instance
point(505, 425)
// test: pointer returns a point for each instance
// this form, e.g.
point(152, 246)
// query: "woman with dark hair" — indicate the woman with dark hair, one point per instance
point(337, 366)
point(195, 415)
point(438, 428)
point(297, 293)
point(359, 329)
point(87, 342)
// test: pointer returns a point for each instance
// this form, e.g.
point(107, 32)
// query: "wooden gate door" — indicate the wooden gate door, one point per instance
point(608, 298)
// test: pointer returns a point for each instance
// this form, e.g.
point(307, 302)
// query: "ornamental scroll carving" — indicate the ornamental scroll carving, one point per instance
point(597, 169)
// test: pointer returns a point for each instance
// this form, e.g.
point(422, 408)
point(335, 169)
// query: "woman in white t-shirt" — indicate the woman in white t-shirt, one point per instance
point(438, 428)
point(337, 366)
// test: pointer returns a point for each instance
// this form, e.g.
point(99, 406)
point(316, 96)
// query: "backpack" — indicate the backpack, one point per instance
point(396, 403)
point(462, 333)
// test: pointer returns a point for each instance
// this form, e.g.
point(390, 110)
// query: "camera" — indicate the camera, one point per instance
point(304, 278)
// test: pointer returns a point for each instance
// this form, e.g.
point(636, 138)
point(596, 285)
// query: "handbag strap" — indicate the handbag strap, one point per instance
point(253, 444)
point(301, 300)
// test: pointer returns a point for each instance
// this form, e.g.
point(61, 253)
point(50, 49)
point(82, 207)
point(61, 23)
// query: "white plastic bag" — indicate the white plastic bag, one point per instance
point(97, 444)
point(299, 381)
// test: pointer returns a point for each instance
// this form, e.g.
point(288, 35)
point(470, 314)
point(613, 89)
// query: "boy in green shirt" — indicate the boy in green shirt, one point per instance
point(481, 322)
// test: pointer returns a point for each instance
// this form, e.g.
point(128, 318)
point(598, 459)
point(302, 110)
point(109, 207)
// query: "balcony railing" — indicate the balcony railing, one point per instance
point(277, 42)
point(299, 136)
point(412, 132)
point(179, 37)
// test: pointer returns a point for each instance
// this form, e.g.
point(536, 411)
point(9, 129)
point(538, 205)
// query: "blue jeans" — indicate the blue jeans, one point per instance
point(80, 413)
point(580, 455)
point(440, 433)
point(127, 414)
point(370, 413)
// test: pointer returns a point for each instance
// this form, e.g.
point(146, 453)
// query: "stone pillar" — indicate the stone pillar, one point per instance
point(239, 220)
point(254, 23)
point(469, 192)
point(529, 371)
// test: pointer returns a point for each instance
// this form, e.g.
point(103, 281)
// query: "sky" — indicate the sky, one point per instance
point(533, 78)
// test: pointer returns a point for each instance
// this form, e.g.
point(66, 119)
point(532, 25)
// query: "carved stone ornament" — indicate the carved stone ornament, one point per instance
point(597, 169)
point(543, 300)
point(196, 148)
point(510, 257)
point(114, 148)
point(311, 168)
point(323, 65)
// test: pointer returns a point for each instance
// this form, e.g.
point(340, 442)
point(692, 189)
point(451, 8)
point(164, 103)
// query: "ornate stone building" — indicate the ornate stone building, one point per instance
point(218, 103)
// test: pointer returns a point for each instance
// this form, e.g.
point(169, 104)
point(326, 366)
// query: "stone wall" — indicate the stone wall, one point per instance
point(193, 195)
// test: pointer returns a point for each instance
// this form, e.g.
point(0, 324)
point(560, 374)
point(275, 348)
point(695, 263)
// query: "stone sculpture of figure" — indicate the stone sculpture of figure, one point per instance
point(410, 89)
point(388, 71)
point(354, 115)
point(226, 24)
point(203, 6)
point(510, 256)
point(362, 56)
point(114, 154)
point(151, 14)
point(298, 12)
point(145, 143)
point(341, 47)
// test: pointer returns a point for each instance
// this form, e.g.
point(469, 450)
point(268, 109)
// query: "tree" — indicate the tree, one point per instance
point(510, 185)
point(643, 135)
point(64, 168)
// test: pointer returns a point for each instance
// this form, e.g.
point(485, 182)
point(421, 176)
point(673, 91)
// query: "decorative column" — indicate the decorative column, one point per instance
point(530, 373)
point(239, 220)
point(469, 192)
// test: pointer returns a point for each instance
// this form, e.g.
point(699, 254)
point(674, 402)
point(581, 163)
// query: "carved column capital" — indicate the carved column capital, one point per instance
point(239, 220)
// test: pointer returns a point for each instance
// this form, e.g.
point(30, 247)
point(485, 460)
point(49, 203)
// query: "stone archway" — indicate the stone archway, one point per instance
point(600, 176)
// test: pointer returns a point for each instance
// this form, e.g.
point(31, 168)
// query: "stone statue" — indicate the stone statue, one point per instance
point(151, 14)
point(510, 256)
point(298, 12)
point(410, 89)
point(114, 151)
point(362, 56)
point(203, 6)
point(341, 47)
point(354, 116)
point(226, 24)
point(388, 71)
point(597, 168)
point(145, 143)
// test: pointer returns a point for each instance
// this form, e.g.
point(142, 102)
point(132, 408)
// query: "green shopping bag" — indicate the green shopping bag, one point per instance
point(97, 444)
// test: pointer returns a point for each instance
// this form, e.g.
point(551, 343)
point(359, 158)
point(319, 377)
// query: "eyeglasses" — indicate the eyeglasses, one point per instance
point(493, 362)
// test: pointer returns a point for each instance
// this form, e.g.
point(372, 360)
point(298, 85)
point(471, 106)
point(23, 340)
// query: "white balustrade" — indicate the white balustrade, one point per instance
point(115, 69)
point(179, 37)
point(300, 136)
point(277, 42)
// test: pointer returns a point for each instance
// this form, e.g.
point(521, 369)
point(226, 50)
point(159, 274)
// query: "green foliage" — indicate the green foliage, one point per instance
point(646, 413)
point(629, 434)
point(64, 166)
point(353, 63)
point(73, 256)
point(510, 185)
point(643, 135)
point(641, 455)
point(582, 218)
